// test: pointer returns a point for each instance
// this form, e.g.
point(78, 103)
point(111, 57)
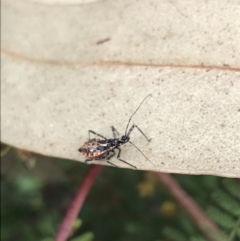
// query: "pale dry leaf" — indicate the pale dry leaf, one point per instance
point(68, 68)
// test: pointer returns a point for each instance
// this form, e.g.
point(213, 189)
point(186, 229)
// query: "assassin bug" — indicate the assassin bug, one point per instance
point(104, 148)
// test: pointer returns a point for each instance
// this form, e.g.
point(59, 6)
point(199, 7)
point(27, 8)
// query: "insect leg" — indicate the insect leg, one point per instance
point(88, 160)
point(118, 157)
point(114, 131)
point(109, 157)
point(140, 151)
point(95, 133)
point(131, 129)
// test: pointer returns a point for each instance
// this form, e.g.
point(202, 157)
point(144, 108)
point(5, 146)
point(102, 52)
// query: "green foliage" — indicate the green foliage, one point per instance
point(4, 149)
point(197, 239)
point(224, 220)
point(122, 205)
point(232, 187)
point(84, 237)
point(174, 234)
point(225, 208)
point(227, 202)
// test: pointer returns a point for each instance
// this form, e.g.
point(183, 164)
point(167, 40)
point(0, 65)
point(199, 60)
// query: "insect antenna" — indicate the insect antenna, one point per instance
point(141, 152)
point(135, 112)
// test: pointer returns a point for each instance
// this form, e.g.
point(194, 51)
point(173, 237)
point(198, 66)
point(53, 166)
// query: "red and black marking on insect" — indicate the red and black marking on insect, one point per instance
point(104, 148)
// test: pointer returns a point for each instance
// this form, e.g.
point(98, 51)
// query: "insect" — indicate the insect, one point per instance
point(104, 148)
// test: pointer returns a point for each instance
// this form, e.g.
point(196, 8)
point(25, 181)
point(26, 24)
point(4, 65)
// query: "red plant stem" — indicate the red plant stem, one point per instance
point(189, 205)
point(76, 205)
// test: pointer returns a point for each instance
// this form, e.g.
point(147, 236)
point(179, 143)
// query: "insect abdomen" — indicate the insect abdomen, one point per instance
point(93, 149)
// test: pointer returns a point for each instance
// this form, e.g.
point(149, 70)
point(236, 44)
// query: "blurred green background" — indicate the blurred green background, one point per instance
point(122, 204)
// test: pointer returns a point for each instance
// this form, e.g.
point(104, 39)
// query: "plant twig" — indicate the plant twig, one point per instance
point(72, 213)
point(205, 224)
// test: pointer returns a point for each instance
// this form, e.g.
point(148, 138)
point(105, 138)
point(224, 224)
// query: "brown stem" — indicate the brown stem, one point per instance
point(205, 224)
point(72, 213)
